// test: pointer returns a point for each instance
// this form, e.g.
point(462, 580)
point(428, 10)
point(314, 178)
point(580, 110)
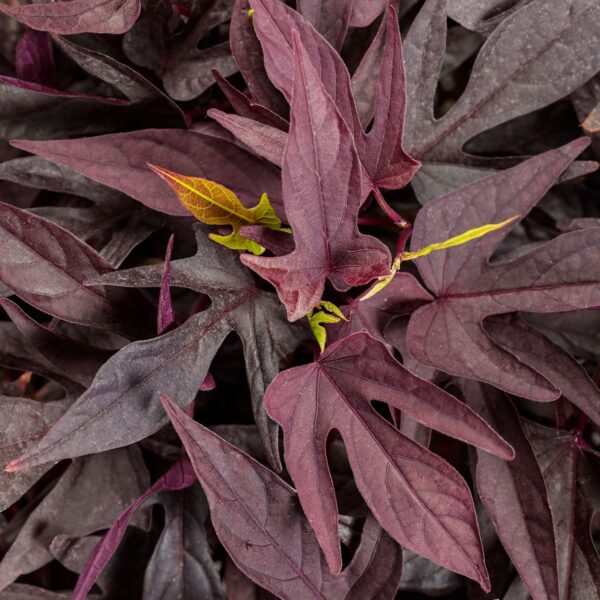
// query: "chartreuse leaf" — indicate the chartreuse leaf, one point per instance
point(321, 317)
point(457, 240)
point(215, 204)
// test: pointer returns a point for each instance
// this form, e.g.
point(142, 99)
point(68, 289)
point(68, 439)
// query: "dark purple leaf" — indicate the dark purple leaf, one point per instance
point(22, 423)
point(181, 567)
point(509, 79)
point(514, 495)
point(276, 241)
point(321, 190)
point(147, 42)
point(365, 12)
point(567, 471)
point(22, 591)
point(557, 276)
point(78, 362)
point(178, 477)
point(267, 141)
point(400, 481)
point(484, 15)
point(77, 16)
point(107, 481)
point(193, 75)
point(121, 406)
point(16, 353)
point(365, 77)
point(130, 83)
point(381, 153)
point(120, 161)
point(46, 266)
point(558, 367)
point(245, 107)
point(384, 158)
point(259, 521)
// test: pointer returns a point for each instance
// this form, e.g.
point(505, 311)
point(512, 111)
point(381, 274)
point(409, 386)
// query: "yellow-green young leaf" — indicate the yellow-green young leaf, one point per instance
point(332, 308)
point(378, 286)
point(317, 320)
point(457, 240)
point(214, 204)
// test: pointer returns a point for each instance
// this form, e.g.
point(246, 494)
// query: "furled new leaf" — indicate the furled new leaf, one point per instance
point(400, 480)
point(259, 521)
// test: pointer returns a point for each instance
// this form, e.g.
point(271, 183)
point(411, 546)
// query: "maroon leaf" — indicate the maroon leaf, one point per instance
point(557, 276)
point(121, 406)
point(78, 361)
point(402, 296)
point(108, 482)
point(329, 17)
point(321, 187)
point(381, 153)
point(129, 82)
point(77, 16)
point(401, 482)
point(181, 566)
point(22, 423)
point(178, 477)
point(364, 12)
point(558, 367)
point(257, 518)
point(388, 165)
point(267, 141)
point(568, 471)
point(246, 52)
point(508, 79)
point(193, 76)
point(119, 161)
point(514, 495)
point(246, 107)
point(46, 266)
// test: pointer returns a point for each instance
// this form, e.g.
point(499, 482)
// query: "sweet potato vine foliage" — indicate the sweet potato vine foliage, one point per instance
point(299, 299)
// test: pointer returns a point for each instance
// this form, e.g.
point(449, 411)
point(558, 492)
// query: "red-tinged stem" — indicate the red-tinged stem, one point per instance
point(388, 210)
point(402, 239)
point(374, 221)
point(579, 430)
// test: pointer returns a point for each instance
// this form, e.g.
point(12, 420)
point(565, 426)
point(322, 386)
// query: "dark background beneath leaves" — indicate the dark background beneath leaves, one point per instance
point(144, 48)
